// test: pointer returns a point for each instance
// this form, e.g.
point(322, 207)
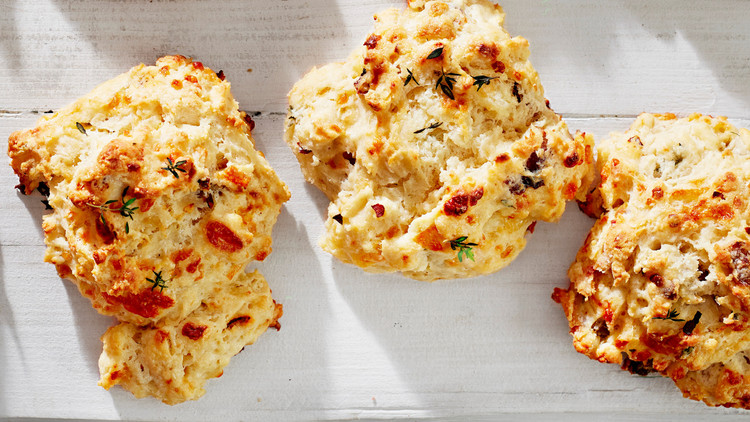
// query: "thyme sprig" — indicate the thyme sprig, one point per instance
point(175, 167)
point(445, 82)
point(430, 127)
point(410, 78)
point(125, 209)
point(672, 316)
point(157, 281)
point(481, 80)
point(464, 248)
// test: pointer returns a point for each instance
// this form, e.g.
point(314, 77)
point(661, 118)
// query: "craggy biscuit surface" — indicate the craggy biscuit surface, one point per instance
point(434, 143)
point(157, 192)
point(173, 361)
point(662, 282)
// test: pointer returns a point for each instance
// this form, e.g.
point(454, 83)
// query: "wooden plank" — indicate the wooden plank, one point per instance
point(354, 345)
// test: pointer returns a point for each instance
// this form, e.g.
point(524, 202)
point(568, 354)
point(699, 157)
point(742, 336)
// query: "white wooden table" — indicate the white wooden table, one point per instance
point(354, 345)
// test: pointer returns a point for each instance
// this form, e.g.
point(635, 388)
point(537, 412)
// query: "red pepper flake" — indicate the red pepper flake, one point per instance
point(502, 158)
point(534, 162)
point(740, 263)
point(379, 210)
point(220, 75)
point(303, 150)
point(160, 336)
point(457, 205)
point(198, 65)
point(242, 320)
point(514, 187)
point(372, 41)
point(657, 280)
point(476, 195)
point(498, 66)
point(349, 157)
point(531, 227)
point(193, 266)
point(571, 160)
point(193, 331)
point(191, 78)
point(176, 84)
point(222, 237)
point(490, 51)
point(146, 303)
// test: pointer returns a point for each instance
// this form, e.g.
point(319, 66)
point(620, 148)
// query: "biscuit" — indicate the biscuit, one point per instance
point(662, 282)
point(434, 144)
point(173, 361)
point(157, 192)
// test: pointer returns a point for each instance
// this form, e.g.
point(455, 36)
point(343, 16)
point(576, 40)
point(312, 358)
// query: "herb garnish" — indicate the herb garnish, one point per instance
point(430, 127)
point(125, 209)
point(435, 53)
point(507, 203)
point(81, 128)
point(481, 80)
point(672, 315)
point(464, 248)
point(410, 78)
point(517, 92)
point(157, 281)
point(175, 167)
point(445, 82)
point(532, 182)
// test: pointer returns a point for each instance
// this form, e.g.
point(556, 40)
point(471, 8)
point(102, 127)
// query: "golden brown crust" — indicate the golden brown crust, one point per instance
point(435, 129)
point(661, 282)
point(158, 193)
point(173, 361)
point(217, 203)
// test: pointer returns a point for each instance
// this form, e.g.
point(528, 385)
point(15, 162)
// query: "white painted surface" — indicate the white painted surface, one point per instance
point(354, 345)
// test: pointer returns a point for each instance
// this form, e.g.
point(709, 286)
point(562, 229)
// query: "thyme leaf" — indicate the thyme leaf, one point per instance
point(430, 127)
point(175, 167)
point(410, 78)
point(157, 281)
point(481, 80)
point(671, 315)
point(445, 82)
point(81, 128)
point(126, 208)
point(435, 53)
point(464, 248)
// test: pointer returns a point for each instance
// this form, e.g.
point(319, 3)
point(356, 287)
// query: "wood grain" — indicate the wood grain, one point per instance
point(354, 345)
